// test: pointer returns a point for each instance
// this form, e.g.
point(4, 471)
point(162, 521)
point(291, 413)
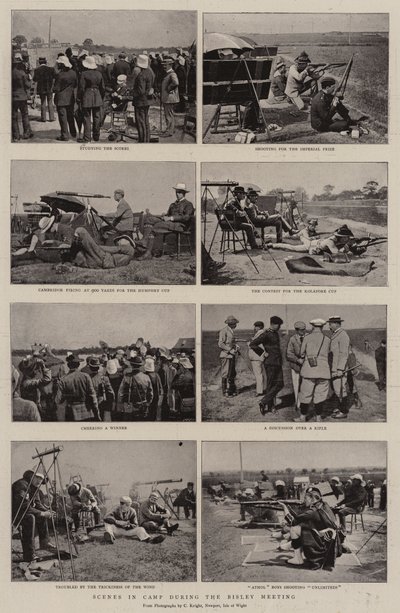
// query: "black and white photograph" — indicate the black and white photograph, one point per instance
point(103, 223)
point(103, 362)
point(90, 76)
point(294, 223)
point(295, 78)
point(112, 511)
point(298, 512)
point(294, 363)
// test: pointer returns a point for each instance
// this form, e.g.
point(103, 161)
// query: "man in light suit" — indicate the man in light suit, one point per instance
point(169, 95)
point(340, 349)
point(229, 351)
point(315, 372)
point(257, 361)
point(293, 356)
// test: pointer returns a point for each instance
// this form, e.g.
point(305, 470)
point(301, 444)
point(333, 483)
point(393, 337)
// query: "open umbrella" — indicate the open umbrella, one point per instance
point(68, 204)
point(216, 40)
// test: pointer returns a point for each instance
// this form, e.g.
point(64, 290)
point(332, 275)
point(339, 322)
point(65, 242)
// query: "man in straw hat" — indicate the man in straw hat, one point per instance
point(324, 107)
point(156, 517)
point(301, 77)
point(279, 81)
point(169, 95)
point(123, 521)
point(77, 391)
point(268, 344)
point(293, 356)
point(340, 351)
point(142, 94)
point(91, 92)
point(229, 351)
point(177, 219)
point(30, 514)
point(314, 372)
point(64, 97)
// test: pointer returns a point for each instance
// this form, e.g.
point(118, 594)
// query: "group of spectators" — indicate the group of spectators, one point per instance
point(138, 382)
point(86, 87)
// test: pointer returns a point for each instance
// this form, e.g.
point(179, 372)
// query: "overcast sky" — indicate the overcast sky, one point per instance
point(146, 184)
point(290, 175)
point(355, 316)
point(119, 463)
point(277, 23)
point(77, 325)
point(280, 455)
point(134, 29)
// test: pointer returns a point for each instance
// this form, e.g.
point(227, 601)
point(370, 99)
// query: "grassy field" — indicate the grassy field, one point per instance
point(244, 406)
point(223, 553)
point(366, 93)
point(128, 560)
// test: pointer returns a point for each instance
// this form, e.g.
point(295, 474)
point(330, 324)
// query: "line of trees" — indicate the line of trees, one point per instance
point(370, 191)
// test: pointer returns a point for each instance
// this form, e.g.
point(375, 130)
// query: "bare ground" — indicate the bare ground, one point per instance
point(127, 559)
point(223, 553)
point(240, 271)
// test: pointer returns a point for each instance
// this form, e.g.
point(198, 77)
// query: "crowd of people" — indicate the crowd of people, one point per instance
point(135, 383)
point(35, 504)
point(83, 250)
point(323, 368)
point(85, 87)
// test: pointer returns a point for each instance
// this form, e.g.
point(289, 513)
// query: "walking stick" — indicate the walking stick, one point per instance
point(373, 534)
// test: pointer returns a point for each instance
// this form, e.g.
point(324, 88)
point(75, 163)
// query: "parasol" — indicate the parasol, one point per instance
point(216, 40)
point(68, 204)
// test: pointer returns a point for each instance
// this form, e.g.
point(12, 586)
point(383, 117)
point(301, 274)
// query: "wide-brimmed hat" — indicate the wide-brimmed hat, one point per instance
point(45, 223)
point(252, 192)
point(248, 491)
point(318, 323)
point(109, 59)
point(64, 61)
point(238, 189)
point(335, 319)
point(74, 488)
point(313, 221)
point(73, 359)
point(279, 62)
point(29, 474)
point(94, 362)
point(89, 62)
point(336, 479)
point(181, 187)
point(163, 353)
point(126, 237)
point(299, 325)
point(231, 319)
point(303, 58)
point(357, 476)
point(280, 482)
point(142, 61)
point(344, 232)
point(186, 363)
point(149, 365)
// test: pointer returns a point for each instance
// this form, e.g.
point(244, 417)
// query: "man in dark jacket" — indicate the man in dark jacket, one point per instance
point(325, 105)
point(44, 77)
point(155, 517)
point(353, 502)
point(187, 499)
point(121, 66)
point(269, 343)
point(178, 219)
point(142, 92)
point(29, 514)
point(20, 86)
point(135, 394)
point(237, 217)
point(64, 98)
point(102, 386)
point(154, 413)
point(91, 92)
point(77, 391)
point(380, 359)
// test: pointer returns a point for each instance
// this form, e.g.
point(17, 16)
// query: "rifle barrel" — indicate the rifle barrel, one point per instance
point(82, 195)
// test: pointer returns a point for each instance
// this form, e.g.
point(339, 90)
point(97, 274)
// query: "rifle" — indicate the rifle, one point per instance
point(341, 87)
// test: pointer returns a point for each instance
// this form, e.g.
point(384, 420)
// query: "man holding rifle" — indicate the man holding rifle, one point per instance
point(325, 105)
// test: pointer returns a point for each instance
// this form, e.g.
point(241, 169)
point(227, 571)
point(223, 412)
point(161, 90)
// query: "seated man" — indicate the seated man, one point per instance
point(301, 79)
point(262, 219)
point(123, 521)
point(155, 517)
point(178, 219)
point(187, 499)
point(279, 81)
point(237, 217)
point(82, 499)
point(61, 235)
point(325, 105)
point(30, 515)
point(355, 498)
point(336, 243)
point(313, 533)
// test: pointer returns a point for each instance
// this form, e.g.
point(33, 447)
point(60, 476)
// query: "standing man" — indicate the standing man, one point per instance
point(380, 359)
point(123, 220)
point(102, 386)
point(142, 93)
point(121, 66)
point(77, 391)
point(293, 356)
point(136, 393)
point(229, 351)
point(20, 87)
point(44, 77)
point(64, 97)
point(315, 372)
point(169, 95)
point(340, 350)
point(91, 92)
point(257, 361)
point(268, 343)
point(236, 215)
